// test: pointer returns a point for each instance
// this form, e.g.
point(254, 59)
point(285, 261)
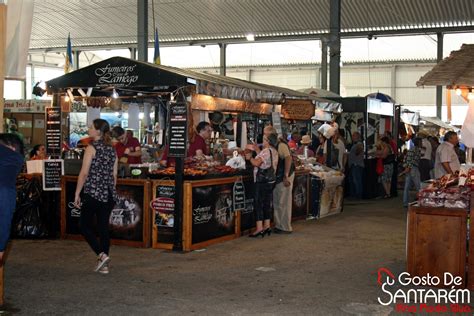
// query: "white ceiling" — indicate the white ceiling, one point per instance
point(104, 23)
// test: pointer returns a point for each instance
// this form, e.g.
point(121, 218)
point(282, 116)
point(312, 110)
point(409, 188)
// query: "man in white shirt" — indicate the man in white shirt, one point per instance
point(425, 164)
point(447, 160)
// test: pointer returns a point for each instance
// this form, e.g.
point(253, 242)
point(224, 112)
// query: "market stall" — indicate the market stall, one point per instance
point(189, 97)
point(371, 118)
point(439, 234)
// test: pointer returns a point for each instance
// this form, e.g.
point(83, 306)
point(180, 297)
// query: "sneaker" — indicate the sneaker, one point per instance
point(102, 260)
point(104, 269)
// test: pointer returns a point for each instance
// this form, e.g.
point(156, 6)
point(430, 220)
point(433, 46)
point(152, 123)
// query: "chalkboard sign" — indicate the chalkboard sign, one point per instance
point(53, 131)
point(53, 169)
point(212, 212)
point(178, 129)
point(163, 207)
point(239, 195)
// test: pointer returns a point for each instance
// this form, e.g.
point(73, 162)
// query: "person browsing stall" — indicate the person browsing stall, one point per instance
point(95, 191)
point(128, 147)
point(447, 160)
point(305, 142)
point(282, 193)
point(265, 162)
point(11, 161)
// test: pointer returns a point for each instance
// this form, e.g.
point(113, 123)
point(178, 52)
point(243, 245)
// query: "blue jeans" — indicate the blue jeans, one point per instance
point(7, 208)
point(413, 177)
point(356, 184)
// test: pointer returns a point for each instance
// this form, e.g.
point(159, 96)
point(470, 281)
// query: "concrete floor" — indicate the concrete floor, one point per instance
point(326, 267)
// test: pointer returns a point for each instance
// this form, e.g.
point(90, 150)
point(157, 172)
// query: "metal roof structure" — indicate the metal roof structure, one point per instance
point(113, 23)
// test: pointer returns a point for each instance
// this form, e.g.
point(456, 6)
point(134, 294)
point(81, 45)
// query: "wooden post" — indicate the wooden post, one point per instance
point(448, 104)
point(3, 32)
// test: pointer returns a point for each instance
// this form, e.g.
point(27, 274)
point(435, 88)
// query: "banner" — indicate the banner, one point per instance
point(19, 22)
point(467, 130)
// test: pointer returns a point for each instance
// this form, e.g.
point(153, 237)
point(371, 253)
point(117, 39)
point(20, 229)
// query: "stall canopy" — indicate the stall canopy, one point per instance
point(456, 70)
point(130, 77)
point(436, 121)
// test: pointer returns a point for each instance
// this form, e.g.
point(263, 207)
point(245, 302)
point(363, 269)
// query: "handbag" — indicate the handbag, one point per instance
point(379, 166)
point(266, 175)
point(389, 159)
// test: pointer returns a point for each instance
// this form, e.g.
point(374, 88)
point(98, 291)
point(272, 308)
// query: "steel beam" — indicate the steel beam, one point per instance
point(142, 28)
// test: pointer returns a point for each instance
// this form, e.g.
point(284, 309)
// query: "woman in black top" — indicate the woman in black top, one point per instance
point(98, 178)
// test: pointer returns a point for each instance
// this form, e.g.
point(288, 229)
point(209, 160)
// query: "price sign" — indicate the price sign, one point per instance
point(53, 131)
point(178, 130)
point(53, 169)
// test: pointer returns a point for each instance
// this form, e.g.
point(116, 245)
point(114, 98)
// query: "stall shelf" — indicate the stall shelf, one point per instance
point(438, 241)
point(210, 213)
point(130, 217)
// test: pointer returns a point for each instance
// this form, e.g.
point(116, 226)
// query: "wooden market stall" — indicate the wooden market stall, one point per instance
point(175, 213)
point(440, 238)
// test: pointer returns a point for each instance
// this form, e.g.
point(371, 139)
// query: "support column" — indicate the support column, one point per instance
point(3, 18)
point(142, 28)
point(324, 64)
point(222, 69)
point(439, 89)
point(393, 85)
point(335, 46)
point(76, 59)
point(133, 52)
point(249, 74)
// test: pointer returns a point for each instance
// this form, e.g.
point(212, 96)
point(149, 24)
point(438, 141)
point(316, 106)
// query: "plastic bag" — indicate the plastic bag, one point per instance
point(236, 162)
point(28, 219)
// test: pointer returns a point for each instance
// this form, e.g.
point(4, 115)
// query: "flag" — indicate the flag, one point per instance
point(68, 64)
point(156, 56)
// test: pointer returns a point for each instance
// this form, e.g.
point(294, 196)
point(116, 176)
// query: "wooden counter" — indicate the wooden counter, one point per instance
point(130, 217)
point(438, 241)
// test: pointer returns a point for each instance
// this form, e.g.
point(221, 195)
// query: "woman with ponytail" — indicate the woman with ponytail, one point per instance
point(98, 178)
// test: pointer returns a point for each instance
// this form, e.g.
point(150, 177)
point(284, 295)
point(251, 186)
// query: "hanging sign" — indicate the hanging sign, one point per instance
point(53, 169)
point(297, 110)
point(178, 129)
point(276, 121)
point(53, 131)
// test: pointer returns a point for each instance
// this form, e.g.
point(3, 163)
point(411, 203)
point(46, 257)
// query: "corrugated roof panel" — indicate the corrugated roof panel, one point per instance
point(109, 21)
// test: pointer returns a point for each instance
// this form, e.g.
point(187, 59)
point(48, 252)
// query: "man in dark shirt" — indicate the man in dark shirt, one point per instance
point(11, 161)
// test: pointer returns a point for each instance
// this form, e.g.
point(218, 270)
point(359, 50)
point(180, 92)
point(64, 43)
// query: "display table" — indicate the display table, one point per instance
point(130, 217)
point(327, 195)
point(438, 241)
